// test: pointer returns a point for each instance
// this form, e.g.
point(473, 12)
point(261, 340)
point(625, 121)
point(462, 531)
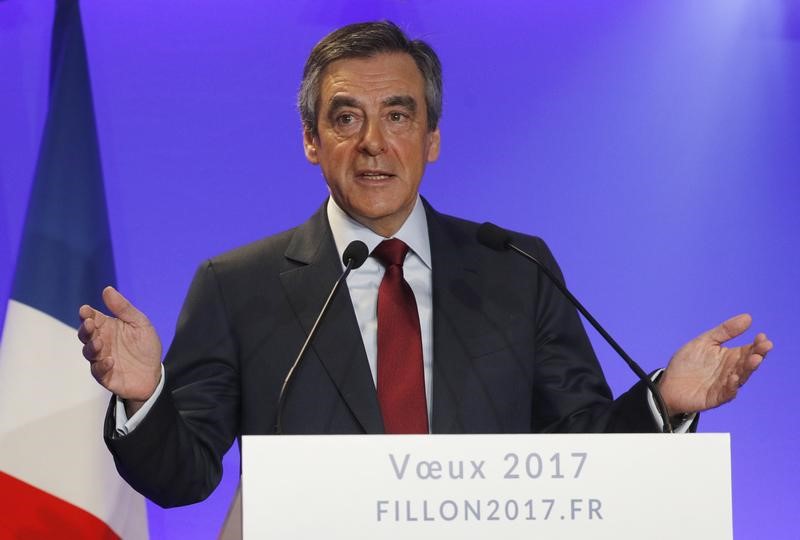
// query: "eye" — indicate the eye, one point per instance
point(345, 119)
point(396, 116)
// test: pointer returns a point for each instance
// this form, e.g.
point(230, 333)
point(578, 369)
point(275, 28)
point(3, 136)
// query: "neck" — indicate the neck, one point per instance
point(383, 227)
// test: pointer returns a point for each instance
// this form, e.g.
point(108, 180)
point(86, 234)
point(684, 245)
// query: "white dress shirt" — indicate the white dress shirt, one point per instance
point(363, 283)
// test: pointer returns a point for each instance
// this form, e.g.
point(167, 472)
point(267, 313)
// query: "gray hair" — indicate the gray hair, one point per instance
point(363, 40)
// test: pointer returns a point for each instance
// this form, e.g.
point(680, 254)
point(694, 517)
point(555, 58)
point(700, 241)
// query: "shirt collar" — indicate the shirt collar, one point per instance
point(414, 231)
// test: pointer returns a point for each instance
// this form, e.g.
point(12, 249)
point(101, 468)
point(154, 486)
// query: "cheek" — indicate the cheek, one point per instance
point(340, 154)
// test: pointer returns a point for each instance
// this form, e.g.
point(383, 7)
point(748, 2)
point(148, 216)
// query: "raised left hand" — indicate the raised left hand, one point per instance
point(703, 374)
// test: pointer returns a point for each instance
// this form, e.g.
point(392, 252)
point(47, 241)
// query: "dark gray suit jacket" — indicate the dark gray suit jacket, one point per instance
point(510, 356)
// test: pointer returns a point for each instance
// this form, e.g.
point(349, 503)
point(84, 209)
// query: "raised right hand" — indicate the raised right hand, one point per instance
point(124, 351)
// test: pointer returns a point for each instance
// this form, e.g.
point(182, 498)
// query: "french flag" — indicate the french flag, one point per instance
point(57, 480)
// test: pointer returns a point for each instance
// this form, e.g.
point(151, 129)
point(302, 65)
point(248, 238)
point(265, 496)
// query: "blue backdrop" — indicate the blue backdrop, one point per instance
point(654, 144)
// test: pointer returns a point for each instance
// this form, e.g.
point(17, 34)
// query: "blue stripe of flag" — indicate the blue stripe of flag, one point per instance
point(65, 257)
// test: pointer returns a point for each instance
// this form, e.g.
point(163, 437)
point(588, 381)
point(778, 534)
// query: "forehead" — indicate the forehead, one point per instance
point(374, 77)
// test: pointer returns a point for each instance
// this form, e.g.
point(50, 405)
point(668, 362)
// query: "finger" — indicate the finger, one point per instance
point(101, 368)
point(87, 312)
point(86, 330)
point(92, 349)
point(731, 328)
point(122, 308)
point(748, 368)
point(733, 384)
point(754, 359)
point(762, 347)
point(753, 362)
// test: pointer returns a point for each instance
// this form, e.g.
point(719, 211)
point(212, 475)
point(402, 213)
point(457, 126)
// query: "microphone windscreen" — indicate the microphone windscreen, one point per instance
point(493, 237)
point(355, 253)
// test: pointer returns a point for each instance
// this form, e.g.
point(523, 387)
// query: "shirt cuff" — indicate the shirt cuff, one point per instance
point(683, 427)
point(124, 424)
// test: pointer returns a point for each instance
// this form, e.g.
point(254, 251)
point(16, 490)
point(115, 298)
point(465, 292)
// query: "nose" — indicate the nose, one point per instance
point(373, 141)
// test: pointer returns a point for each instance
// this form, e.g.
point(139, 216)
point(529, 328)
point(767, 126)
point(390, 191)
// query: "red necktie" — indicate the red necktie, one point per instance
point(401, 383)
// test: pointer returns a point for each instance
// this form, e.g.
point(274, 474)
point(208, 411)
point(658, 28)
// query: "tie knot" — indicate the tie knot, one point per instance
point(391, 252)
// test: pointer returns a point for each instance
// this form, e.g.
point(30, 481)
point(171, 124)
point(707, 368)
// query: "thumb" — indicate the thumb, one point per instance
point(122, 308)
point(731, 328)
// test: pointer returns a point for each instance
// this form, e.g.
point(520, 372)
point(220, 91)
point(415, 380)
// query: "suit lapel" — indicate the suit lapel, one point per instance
point(338, 344)
point(454, 306)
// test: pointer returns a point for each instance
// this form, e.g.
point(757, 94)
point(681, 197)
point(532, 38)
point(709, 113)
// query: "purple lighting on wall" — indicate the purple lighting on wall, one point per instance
point(655, 146)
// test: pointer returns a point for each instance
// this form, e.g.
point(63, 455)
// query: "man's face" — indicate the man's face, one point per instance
point(373, 142)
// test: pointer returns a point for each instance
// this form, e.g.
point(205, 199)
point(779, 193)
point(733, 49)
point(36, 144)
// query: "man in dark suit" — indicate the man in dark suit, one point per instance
point(496, 348)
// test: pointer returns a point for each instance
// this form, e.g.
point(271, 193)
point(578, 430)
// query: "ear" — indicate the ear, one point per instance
point(434, 138)
point(310, 147)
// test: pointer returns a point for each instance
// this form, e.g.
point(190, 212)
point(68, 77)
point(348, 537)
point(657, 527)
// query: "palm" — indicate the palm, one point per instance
point(133, 350)
point(124, 351)
point(703, 374)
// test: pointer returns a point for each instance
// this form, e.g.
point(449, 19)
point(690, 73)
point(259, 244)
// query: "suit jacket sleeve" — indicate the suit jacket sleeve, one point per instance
point(174, 456)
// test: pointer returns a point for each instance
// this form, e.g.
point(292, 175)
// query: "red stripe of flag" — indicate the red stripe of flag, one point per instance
point(32, 514)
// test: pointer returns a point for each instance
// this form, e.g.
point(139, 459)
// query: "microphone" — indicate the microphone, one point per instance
point(353, 257)
point(498, 239)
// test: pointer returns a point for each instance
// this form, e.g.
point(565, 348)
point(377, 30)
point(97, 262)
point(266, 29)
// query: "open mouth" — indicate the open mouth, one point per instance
point(374, 175)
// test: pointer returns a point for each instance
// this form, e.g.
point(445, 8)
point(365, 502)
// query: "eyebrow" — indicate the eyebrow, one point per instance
point(403, 101)
point(337, 102)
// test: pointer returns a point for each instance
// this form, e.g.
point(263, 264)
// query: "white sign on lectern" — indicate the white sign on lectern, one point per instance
point(629, 486)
